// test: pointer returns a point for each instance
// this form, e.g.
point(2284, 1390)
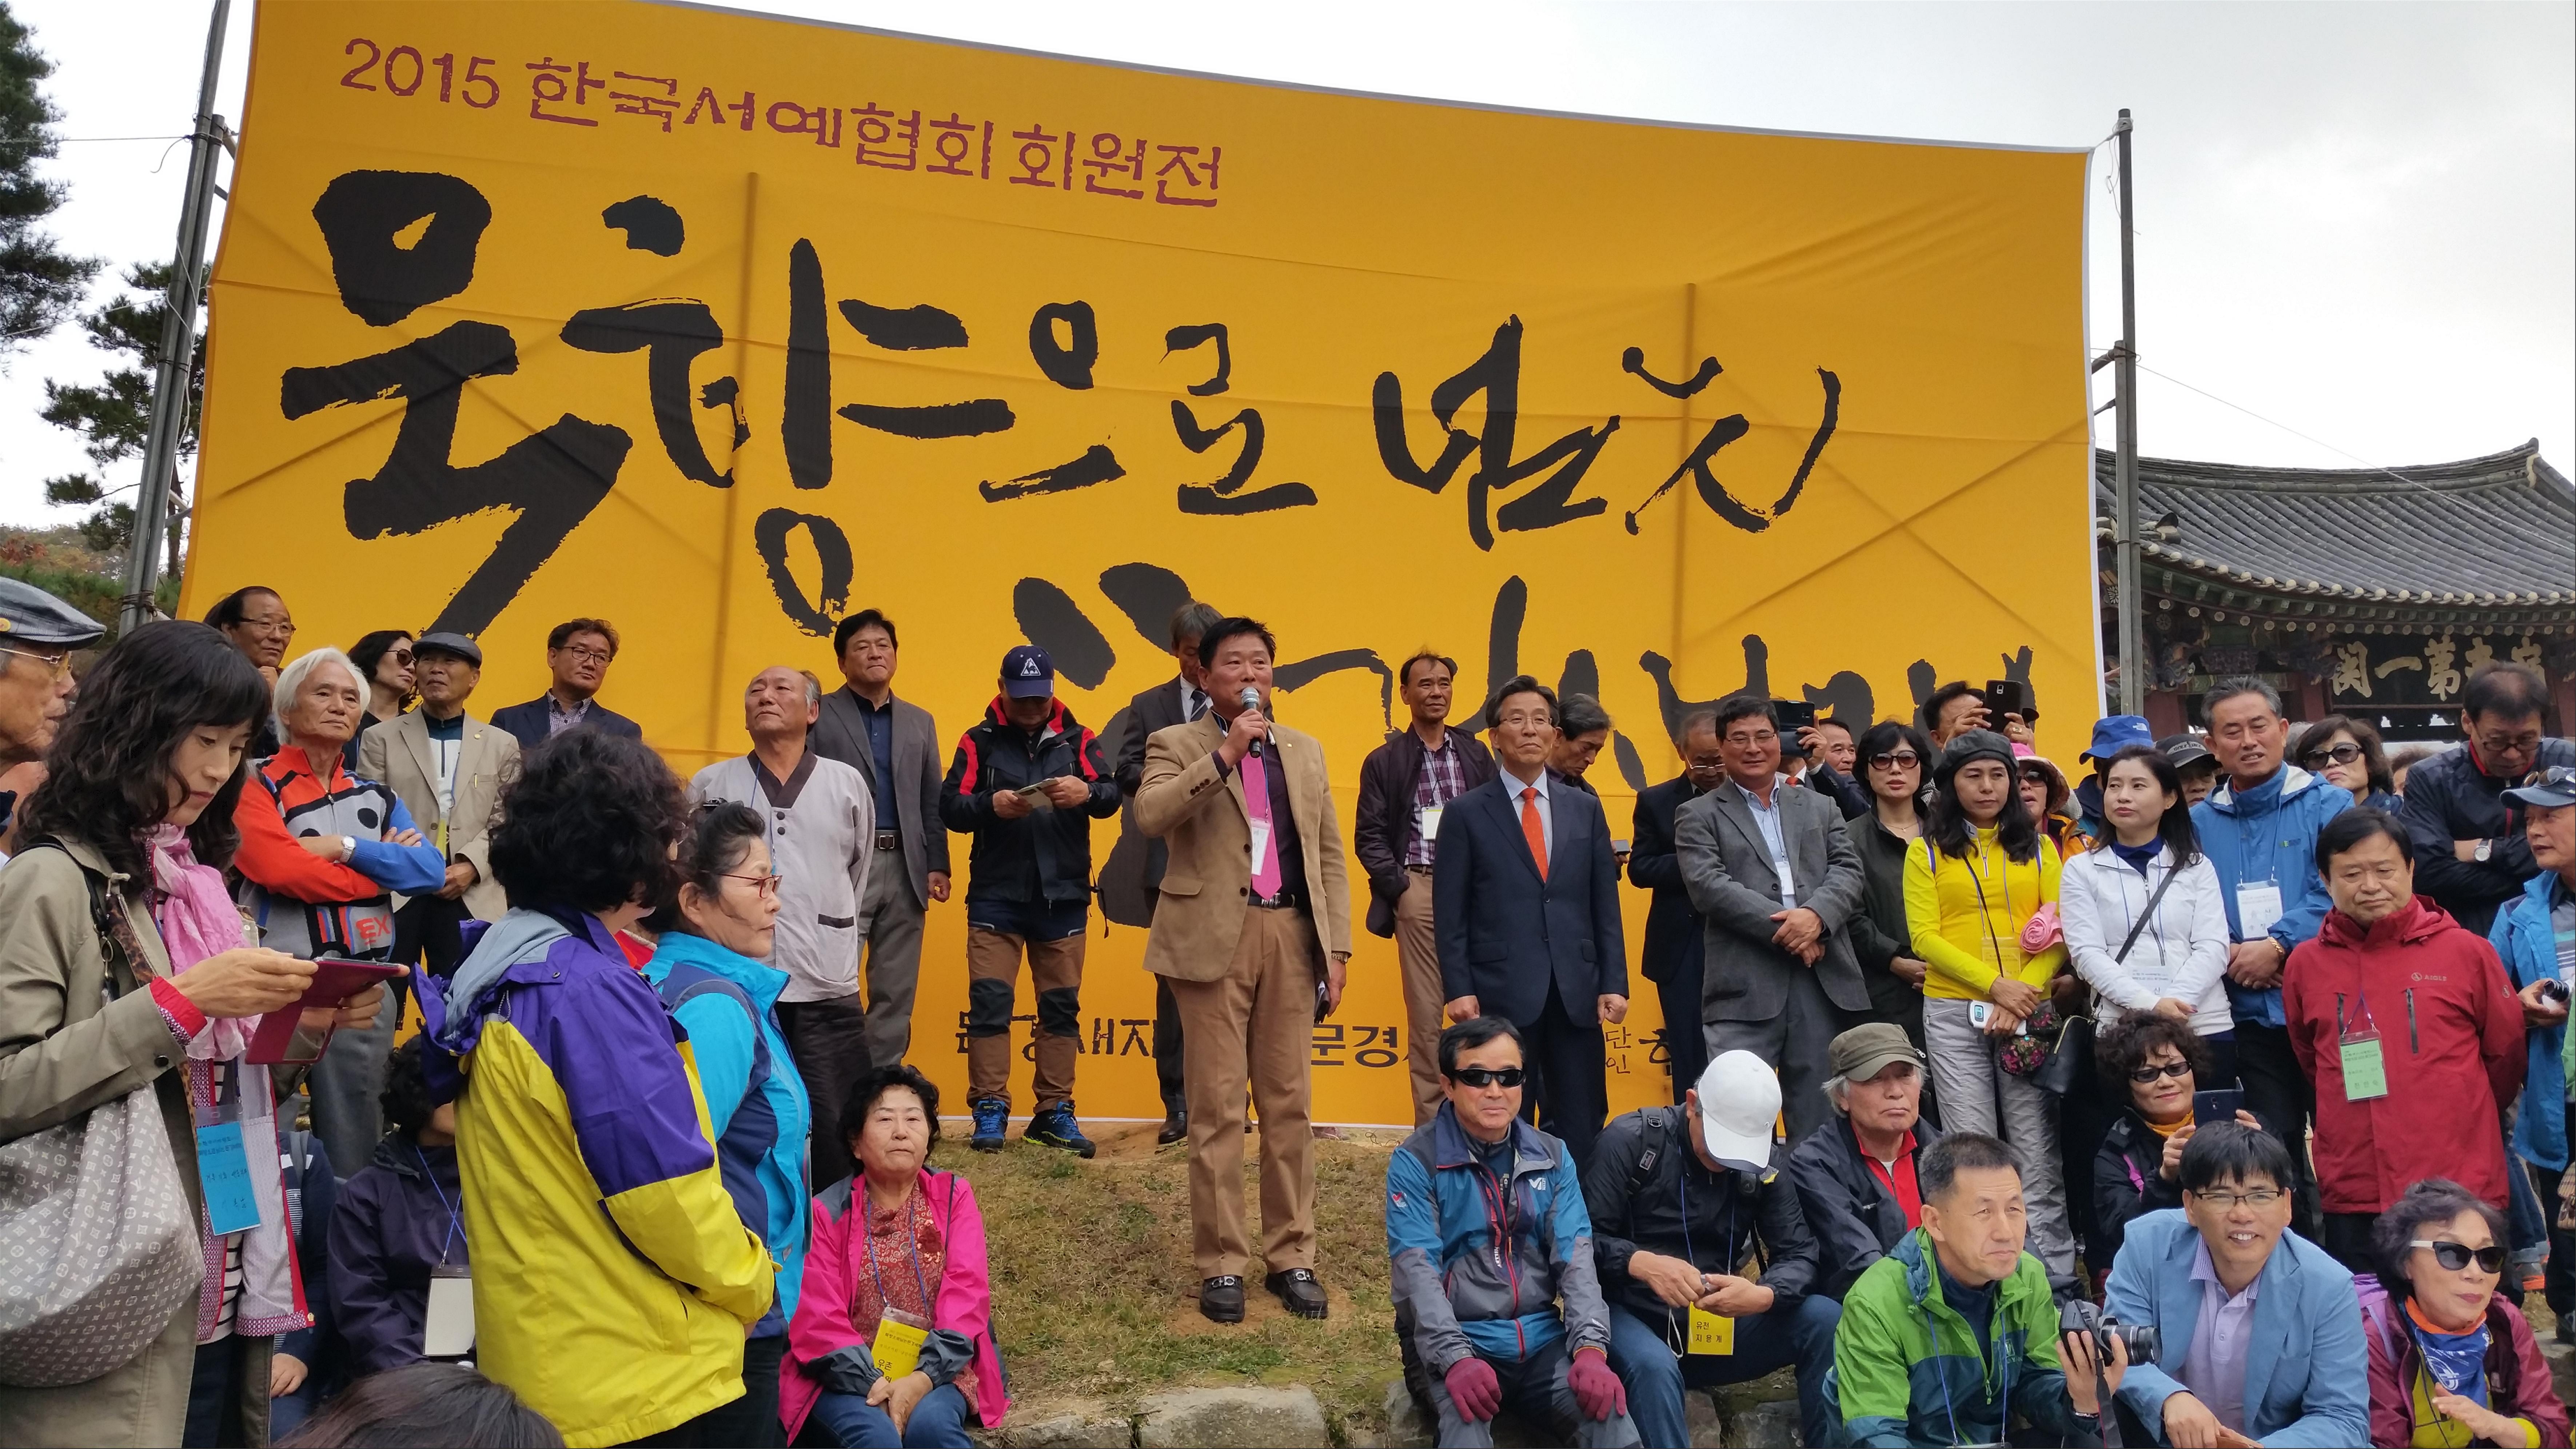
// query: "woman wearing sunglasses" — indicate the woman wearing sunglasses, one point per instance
point(2154, 1064)
point(2452, 1360)
point(1893, 759)
point(2345, 751)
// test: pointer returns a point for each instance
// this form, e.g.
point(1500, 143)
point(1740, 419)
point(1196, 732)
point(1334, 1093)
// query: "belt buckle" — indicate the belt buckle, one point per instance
point(889, 840)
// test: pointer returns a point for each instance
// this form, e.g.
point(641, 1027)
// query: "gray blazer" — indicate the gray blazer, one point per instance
point(1727, 869)
point(842, 734)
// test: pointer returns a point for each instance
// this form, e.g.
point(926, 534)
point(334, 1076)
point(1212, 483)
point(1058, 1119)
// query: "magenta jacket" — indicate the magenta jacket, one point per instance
point(2518, 1383)
point(821, 1326)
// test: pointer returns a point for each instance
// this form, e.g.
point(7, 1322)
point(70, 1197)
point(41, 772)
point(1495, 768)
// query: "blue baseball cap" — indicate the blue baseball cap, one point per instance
point(2117, 733)
point(1027, 673)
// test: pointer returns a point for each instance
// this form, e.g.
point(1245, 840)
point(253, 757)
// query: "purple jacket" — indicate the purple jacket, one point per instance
point(388, 1231)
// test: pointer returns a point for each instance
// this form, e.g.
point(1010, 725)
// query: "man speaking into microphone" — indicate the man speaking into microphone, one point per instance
point(1253, 933)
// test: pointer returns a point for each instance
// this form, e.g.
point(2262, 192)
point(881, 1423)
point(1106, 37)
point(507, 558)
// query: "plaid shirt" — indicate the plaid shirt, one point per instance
point(1443, 778)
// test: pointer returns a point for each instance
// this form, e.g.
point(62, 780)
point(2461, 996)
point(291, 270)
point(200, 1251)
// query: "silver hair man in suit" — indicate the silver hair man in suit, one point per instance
point(448, 768)
point(1133, 879)
point(1770, 870)
point(895, 745)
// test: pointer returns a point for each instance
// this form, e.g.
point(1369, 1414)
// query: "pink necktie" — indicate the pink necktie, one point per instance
point(1256, 807)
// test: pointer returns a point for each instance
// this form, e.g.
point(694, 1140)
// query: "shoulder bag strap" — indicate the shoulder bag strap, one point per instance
point(2149, 914)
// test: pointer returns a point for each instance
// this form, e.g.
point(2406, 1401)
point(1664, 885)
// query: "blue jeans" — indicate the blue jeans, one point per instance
point(1802, 1335)
point(938, 1421)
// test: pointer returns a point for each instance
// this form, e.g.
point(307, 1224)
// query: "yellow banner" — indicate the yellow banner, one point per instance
point(721, 327)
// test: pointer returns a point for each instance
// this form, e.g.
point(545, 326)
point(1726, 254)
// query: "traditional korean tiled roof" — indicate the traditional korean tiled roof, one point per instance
point(2491, 537)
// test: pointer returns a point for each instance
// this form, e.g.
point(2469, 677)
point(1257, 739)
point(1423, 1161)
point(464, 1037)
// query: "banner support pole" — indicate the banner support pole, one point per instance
point(2134, 665)
point(170, 400)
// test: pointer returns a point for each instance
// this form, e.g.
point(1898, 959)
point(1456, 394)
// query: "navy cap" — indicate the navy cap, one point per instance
point(444, 642)
point(29, 615)
point(2115, 733)
point(1027, 673)
point(2184, 749)
point(2549, 789)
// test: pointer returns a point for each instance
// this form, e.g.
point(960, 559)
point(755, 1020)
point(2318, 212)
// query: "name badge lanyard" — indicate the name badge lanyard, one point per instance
point(1985, 913)
point(447, 1247)
point(2258, 904)
point(1710, 1333)
point(895, 1345)
point(447, 1329)
point(2365, 1069)
point(223, 1153)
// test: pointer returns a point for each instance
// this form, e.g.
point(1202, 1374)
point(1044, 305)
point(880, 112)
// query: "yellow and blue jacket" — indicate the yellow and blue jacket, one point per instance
point(613, 1278)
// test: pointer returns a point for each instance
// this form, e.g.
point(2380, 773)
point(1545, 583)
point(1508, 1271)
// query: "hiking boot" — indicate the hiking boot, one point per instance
point(992, 1118)
point(1055, 1127)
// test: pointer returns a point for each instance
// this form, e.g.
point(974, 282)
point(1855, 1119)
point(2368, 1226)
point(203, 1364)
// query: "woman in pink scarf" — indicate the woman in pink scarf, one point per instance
point(123, 966)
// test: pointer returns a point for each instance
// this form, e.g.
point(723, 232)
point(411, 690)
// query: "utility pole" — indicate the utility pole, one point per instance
point(178, 343)
point(2134, 665)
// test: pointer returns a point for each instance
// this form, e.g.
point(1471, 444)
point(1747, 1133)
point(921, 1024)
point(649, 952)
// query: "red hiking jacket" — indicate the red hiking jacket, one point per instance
point(2450, 1038)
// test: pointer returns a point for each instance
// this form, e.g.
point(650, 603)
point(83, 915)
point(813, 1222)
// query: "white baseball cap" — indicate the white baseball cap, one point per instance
point(1739, 1101)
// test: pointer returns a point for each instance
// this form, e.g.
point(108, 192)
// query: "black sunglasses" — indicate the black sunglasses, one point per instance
point(1905, 759)
point(2455, 1256)
point(2342, 754)
point(1506, 1077)
point(2144, 1075)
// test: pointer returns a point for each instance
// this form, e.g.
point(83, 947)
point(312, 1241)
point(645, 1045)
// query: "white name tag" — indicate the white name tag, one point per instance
point(1260, 845)
point(1430, 817)
point(448, 1331)
point(2257, 907)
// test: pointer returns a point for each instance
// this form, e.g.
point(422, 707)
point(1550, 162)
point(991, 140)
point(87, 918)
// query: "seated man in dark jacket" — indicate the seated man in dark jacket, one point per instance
point(1855, 1178)
point(1679, 1199)
point(398, 1223)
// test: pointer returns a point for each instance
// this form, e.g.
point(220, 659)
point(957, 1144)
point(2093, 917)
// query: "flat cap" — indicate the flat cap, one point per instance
point(29, 615)
point(443, 642)
point(1869, 1049)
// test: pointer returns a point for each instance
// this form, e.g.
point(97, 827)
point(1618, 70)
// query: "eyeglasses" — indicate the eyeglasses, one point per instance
point(2144, 1075)
point(2342, 754)
point(400, 656)
point(2455, 1256)
point(767, 885)
point(59, 666)
point(579, 651)
point(1895, 760)
point(2229, 1201)
point(1504, 1077)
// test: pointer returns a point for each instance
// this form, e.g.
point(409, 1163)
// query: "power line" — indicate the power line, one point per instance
point(2293, 432)
point(83, 140)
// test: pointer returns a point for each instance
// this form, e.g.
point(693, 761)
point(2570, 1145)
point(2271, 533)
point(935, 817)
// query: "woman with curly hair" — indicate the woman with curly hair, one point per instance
point(2452, 1360)
point(122, 970)
point(612, 1278)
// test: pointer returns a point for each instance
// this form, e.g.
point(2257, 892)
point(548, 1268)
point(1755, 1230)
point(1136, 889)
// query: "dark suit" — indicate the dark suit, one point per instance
point(527, 723)
point(1132, 878)
point(1758, 997)
point(898, 901)
point(1539, 952)
point(1674, 943)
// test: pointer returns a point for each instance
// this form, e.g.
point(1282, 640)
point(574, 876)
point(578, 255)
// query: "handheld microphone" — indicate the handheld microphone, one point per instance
point(1251, 698)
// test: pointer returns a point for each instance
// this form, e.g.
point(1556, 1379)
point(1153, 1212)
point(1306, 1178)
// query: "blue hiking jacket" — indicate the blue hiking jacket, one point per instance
point(1479, 1265)
point(2269, 835)
point(2527, 943)
point(755, 1096)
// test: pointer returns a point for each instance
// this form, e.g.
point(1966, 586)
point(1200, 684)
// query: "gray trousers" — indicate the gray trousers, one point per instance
point(1536, 1390)
point(1979, 1096)
point(1796, 1043)
point(892, 967)
point(346, 1085)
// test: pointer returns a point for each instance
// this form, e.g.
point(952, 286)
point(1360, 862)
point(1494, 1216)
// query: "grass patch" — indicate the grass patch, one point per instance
point(1094, 1291)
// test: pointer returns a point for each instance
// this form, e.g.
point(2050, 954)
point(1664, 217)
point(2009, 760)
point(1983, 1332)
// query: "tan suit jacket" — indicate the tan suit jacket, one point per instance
point(398, 756)
point(1208, 869)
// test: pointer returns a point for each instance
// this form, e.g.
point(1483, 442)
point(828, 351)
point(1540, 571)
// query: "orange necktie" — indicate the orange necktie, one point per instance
point(1534, 830)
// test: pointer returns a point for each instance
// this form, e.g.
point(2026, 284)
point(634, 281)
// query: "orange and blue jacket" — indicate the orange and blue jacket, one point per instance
point(613, 1278)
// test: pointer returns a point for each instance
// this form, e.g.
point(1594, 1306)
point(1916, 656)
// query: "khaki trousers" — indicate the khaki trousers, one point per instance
point(1418, 949)
point(992, 983)
point(1258, 1020)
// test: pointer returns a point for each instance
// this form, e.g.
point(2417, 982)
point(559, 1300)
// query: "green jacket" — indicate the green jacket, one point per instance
point(1907, 1370)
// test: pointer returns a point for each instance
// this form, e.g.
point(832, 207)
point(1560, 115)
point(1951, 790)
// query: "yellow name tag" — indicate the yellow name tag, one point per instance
point(1711, 1332)
point(897, 1347)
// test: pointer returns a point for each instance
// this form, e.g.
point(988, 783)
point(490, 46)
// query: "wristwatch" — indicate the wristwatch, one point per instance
point(2485, 849)
point(348, 848)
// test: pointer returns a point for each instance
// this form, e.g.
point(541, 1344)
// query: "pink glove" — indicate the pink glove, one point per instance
point(1473, 1388)
point(1596, 1389)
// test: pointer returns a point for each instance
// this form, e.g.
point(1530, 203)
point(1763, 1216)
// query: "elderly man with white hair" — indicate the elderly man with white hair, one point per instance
point(821, 820)
point(1855, 1176)
point(322, 853)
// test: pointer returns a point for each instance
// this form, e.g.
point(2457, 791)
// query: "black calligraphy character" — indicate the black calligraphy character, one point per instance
point(1699, 467)
point(400, 240)
point(1222, 498)
point(1067, 362)
point(922, 328)
point(671, 333)
point(769, 536)
point(1497, 375)
point(805, 426)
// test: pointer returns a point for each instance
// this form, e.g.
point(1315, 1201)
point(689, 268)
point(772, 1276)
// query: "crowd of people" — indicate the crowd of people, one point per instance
point(2218, 1095)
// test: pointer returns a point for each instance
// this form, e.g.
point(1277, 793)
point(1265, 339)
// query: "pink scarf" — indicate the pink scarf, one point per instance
point(197, 920)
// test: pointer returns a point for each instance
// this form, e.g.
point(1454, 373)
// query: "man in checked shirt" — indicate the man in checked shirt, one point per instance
point(1405, 784)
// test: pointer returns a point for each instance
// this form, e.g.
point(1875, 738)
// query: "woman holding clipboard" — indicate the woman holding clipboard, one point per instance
point(122, 972)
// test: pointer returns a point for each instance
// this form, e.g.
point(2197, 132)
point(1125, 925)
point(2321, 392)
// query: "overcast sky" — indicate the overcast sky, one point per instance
point(2358, 221)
